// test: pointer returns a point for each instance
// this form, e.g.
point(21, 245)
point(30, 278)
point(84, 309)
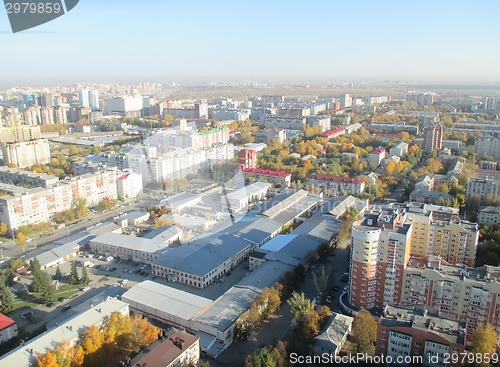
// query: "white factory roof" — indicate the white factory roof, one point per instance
point(130, 242)
point(249, 190)
point(166, 299)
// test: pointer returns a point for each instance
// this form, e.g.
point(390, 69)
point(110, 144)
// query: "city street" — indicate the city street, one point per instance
point(10, 249)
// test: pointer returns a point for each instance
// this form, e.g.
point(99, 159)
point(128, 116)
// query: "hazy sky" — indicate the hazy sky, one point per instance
point(328, 40)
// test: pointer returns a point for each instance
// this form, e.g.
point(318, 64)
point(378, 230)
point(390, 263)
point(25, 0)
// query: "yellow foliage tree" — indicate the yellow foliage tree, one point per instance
point(47, 360)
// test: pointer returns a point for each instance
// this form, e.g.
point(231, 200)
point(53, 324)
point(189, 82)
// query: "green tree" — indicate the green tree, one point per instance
point(484, 341)
point(6, 299)
point(299, 305)
point(48, 294)
point(81, 209)
point(364, 331)
point(73, 274)
point(85, 276)
point(58, 275)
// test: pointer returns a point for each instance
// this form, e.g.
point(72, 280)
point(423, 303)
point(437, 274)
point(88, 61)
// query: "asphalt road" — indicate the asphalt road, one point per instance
point(11, 250)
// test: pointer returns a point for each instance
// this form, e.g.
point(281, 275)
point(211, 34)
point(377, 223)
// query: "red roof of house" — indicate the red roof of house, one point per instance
point(378, 151)
point(320, 176)
point(5, 321)
point(269, 172)
point(338, 130)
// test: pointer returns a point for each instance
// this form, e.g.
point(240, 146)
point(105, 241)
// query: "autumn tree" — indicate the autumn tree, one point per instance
point(78, 357)
point(299, 305)
point(143, 332)
point(21, 240)
point(91, 341)
point(310, 325)
point(3, 229)
point(484, 341)
point(47, 360)
point(63, 353)
point(364, 331)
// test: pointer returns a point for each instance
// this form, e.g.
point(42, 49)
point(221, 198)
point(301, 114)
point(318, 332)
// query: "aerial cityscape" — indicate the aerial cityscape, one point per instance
point(183, 187)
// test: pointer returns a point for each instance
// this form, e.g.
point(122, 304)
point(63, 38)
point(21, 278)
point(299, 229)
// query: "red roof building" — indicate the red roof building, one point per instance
point(276, 177)
point(8, 328)
point(333, 133)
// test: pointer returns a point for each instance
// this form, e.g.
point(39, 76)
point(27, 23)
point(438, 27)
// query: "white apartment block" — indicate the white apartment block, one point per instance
point(175, 164)
point(190, 139)
point(129, 185)
point(483, 187)
point(26, 153)
point(399, 150)
point(28, 206)
point(489, 216)
point(489, 146)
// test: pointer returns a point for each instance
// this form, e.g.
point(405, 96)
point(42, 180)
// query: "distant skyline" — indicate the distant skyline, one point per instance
point(200, 40)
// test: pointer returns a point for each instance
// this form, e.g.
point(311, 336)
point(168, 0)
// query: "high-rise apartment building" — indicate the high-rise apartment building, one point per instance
point(457, 292)
point(438, 230)
point(433, 138)
point(27, 206)
point(93, 99)
point(26, 153)
point(19, 133)
point(345, 101)
point(380, 250)
point(84, 98)
point(384, 240)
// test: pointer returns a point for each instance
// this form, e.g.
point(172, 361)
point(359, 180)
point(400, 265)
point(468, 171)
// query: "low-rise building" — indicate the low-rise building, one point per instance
point(178, 349)
point(167, 235)
point(179, 202)
point(424, 183)
point(126, 247)
point(8, 329)
point(240, 199)
point(337, 185)
point(277, 177)
point(202, 266)
point(334, 133)
point(334, 335)
point(418, 332)
point(376, 156)
point(134, 218)
point(489, 216)
point(430, 197)
point(399, 150)
point(69, 331)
